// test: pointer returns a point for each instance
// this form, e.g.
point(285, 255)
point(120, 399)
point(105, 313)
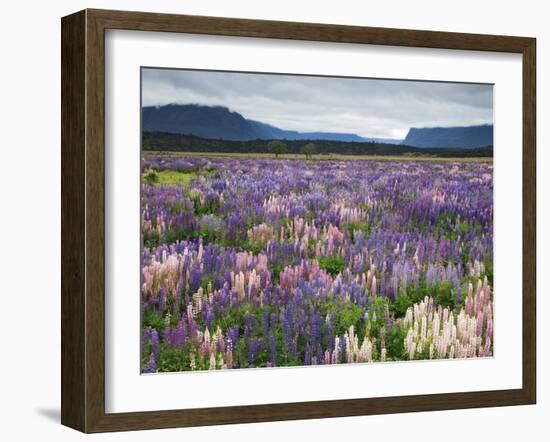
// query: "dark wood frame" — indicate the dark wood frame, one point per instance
point(83, 217)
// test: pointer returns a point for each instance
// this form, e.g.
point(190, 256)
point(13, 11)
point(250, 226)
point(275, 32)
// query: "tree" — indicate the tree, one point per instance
point(309, 149)
point(277, 148)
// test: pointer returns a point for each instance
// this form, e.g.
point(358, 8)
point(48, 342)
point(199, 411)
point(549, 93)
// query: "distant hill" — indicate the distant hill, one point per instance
point(217, 122)
point(163, 141)
point(468, 136)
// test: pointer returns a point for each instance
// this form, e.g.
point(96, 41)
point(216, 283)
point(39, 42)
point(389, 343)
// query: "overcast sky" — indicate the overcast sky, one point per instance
point(367, 107)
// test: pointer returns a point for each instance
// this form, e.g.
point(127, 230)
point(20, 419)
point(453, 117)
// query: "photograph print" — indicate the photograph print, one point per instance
point(296, 220)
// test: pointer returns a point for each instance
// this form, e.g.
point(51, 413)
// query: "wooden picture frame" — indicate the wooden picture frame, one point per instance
point(83, 220)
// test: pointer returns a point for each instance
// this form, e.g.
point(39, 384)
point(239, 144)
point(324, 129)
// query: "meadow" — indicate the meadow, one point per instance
point(262, 262)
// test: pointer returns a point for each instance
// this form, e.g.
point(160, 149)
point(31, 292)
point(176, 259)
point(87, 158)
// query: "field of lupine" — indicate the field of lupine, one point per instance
point(263, 262)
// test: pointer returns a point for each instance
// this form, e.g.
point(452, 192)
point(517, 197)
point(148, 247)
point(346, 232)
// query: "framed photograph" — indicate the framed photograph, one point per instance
point(269, 220)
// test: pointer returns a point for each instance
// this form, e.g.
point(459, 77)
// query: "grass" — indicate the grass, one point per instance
point(170, 177)
point(322, 157)
point(332, 264)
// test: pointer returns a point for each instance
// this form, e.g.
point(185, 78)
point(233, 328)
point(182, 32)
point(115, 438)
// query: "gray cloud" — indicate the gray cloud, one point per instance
point(367, 107)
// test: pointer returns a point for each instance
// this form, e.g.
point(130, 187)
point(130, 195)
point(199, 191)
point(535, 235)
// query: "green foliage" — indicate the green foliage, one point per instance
point(464, 256)
point(275, 270)
point(252, 247)
point(312, 244)
point(362, 226)
point(173, 360)
point(151, 176)
point(277, 148)
point(168, 177)
point(333, 264)
point(448, 227)
point(206, 280)
point(285, 222)
point(347, 315)
point(232, 316)
point(489, 272)
point(173, 235)
point(379, 307)
point(417, 294)
point(400, 305)
point(211, 172)
point(309, 149)
point(395, 348)
point(211, 207)
point(209, 233)
point(444, 294)
point(150, 238)
point(365, 206)
point(159, 141)
point(152, 319)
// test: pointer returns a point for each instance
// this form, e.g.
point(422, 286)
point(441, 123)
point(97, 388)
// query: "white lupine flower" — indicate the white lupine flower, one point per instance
point(446, 334)
point(197, 299)
point(412, 350)
point(212, 362)
point(190, 312)
point(200, 252)
point(424, 328)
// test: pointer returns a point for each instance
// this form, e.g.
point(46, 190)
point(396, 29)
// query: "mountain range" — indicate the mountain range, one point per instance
point(218, 122)
point(467, 136)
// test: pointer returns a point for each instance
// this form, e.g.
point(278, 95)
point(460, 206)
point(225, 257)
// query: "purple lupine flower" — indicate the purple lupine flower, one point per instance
point(265, 321)
point(254, 346)
point(167, 336)
point(145, 338)
point(319, 355)
point(208, 317)
point(272, 351)
point(410, 210)
point(307, 356)
point(155, 344)
point(272, 322)
point(342, 349)
point(162, 299)
point(151, 366)
point(195, 279)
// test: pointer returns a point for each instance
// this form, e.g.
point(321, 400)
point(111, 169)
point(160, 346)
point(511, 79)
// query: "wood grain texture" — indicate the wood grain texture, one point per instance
point(529, 221)
point(83, 219)
point(95, 221)
point(143, 21)
point(73, 253)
